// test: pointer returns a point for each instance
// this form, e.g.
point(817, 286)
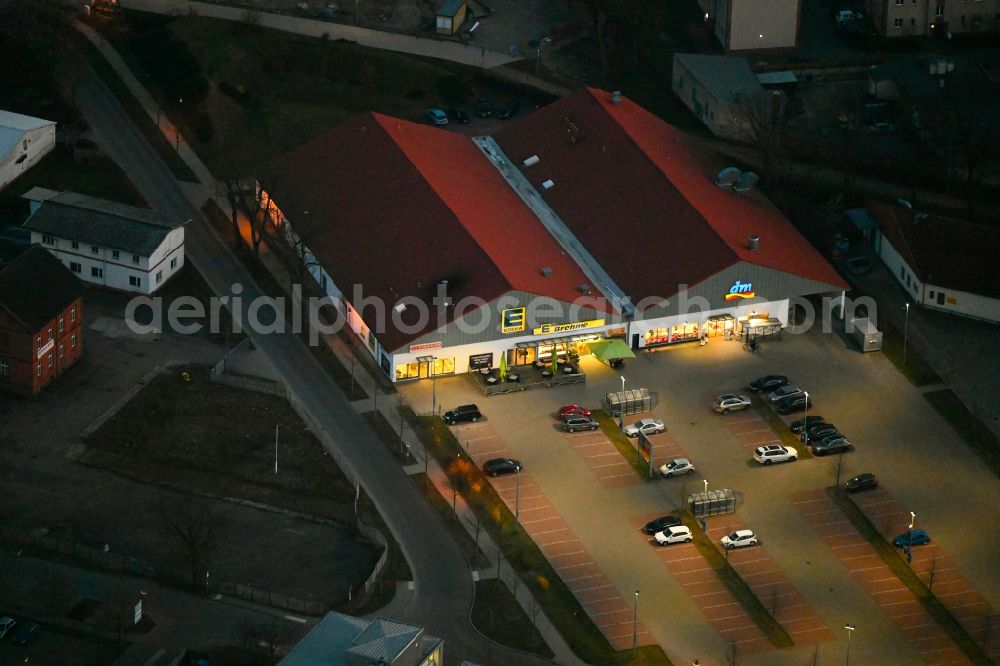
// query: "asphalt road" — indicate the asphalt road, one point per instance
point(444, 588)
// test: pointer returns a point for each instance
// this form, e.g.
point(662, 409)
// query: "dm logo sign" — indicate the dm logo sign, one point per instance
point(741, 290)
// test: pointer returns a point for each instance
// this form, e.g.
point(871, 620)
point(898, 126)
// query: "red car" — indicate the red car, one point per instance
point(572, 410)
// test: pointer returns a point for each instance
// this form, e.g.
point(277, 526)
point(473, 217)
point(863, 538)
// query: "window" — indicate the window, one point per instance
point(114, 254)
point(913, 22)
point(38, 343)
point(4, 368)
point(49, 338)
point(75, 245)
point(680, 82)
point(72, 313)
point(38, 370)
point(61, 351)
point(75, 267)
point(898, 23)
point(902, 273)
point(94, 249)
point(134, 281)
point(899, 3)
point(962, 20)
point(96, 272)
point(72, 341)
point(62, 324)
point(931, 294)
point(49, 359)
point(939, 11)
point(159, 276)
point(135, 258)
point(48, 240)
point(173, 263)
point(940, 298)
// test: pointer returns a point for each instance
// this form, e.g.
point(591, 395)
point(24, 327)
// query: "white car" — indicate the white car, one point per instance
point(6, 624)
point(738, 539)
point(676, 534)
point(730, 402)
point(783, 392)
point(676, 467)
point(646, 427)
point(772, 453)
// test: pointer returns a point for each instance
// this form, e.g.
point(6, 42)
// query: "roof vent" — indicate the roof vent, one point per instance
point(546, 271)
point(727, 177)
point(399, 307)
point(746, 181)
point(919, 217)
point(616, 97)
point(753, 242)
point(548, 184)
point(584, 288)
point(531, 161)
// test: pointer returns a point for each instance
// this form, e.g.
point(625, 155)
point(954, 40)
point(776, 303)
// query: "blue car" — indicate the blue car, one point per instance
point(911, 538)
point(437, 117)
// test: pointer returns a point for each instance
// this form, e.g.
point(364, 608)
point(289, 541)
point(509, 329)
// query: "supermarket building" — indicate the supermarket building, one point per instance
point(589, 219)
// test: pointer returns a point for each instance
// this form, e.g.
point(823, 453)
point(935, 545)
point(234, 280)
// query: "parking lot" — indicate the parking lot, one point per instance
point(896, 435)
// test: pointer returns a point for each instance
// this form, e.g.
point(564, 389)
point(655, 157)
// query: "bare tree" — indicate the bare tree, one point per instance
point(117, 612)
point(267, 634)
point(189, 524)
point(760, 116)
point(732, 654)
point(931, 572)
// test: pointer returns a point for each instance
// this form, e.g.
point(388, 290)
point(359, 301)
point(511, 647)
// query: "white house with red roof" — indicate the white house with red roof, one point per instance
point(589, 219)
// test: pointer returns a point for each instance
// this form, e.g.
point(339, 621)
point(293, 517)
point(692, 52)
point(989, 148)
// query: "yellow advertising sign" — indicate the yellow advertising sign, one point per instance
point(512, 320)
point(546, 329)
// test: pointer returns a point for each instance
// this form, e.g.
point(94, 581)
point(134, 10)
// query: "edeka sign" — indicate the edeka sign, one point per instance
point(512, 320)
point(546, 329)
point(741, 290)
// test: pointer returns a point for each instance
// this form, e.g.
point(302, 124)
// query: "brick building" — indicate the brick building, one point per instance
point(41, 316)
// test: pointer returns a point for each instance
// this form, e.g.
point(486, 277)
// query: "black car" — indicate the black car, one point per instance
point(461, 414)
point(817, 431)
point(866, 481)
point(508, 109)
point(768, 383)
point(499, 466)
point(831, 444)
point(660, 524)
point(25, 632)
point(484, 109)
point(793, 403)
point(799, 425)
point(459, 114)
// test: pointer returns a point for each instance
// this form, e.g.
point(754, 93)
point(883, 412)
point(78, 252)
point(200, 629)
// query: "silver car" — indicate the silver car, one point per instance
point(676, 467)
point(783, 392)
point(646, 427)
point(730, 402)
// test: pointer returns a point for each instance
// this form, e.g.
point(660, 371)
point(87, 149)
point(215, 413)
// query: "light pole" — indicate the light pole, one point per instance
point(517, 497)
point(177, 131)
point(909, 537)
point(433, 387)
point(621, 406)
point(805, 420)
point(850, 630)
point(635, 621)
point(705, 481)
point(906, 330)
point(538, 54)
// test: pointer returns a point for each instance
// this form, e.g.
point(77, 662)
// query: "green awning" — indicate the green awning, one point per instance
point(608, 350)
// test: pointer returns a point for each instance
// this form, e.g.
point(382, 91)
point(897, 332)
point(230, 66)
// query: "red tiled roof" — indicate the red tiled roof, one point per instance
point(431, 207)
point(638, 192)
point(943, 251)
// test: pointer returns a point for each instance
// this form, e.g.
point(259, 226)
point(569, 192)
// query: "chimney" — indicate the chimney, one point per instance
point(753, 242)
point(546, 271)
point(585, 289)
point(548, 184)
point(531, 161)
point(616, 97)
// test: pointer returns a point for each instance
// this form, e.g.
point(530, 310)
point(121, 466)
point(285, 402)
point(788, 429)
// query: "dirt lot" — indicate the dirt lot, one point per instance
point(217, 440)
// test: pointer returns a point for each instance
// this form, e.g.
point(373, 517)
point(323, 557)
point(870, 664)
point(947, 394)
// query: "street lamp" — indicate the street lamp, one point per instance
point(805, 420)
point(621, 406)
point(906, 330)
point(517, 496)
point(538, 53)
point(850, 630)
point(909, 537)
point(635, 620)
point(433, 387)
point(705, 481)
point(177, 131)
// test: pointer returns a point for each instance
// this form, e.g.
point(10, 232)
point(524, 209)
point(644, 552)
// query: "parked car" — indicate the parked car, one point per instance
point(484, 108)
point(660, 524)
point(846, 15)
point(866, 481)
point(437, 116)
point(676, 467)
point(772, 453)
point(646, 427)
point(498, 466)
point(783, 392)
point(768, 383)
point(730, 402)
point(459, 114)
point(461, 414)
point(911, 538)
point(739, 539)
point(508, 109)
point(793, 403)
point(799, 425)
point(6, 624)
point(675, 534)
point(574, 423)
point(572, 410)
point(816, 432)
point(831, 444)
point(25, 632)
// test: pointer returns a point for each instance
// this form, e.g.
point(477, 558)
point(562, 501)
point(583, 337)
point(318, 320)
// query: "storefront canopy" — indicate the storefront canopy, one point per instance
point(608, 350)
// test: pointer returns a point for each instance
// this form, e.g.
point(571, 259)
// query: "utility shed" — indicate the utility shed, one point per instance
point(867, 335)
point(451, 16)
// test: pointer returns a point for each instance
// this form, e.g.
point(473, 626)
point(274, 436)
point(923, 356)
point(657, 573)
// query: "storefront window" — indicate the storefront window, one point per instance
point(423, 369)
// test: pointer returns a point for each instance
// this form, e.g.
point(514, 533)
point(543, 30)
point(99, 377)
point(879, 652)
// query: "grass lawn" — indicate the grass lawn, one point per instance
point(891, 556)
point(976, 434)
point(625, 445)
point(915, 369)
point(499, 617)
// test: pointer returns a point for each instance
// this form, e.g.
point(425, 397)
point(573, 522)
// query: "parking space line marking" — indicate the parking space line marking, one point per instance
point(574, 566)
point(728, 603)
point(583, 577)
point(557, 529)
point(594, 587)
point(573, 552)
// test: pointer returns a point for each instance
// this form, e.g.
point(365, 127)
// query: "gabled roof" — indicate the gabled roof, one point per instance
point(432, 208)
point(98, 222)
point(383, 640)
point(336, 636)
point(35, 287)
point(13, 126)
point(943, 251)
point(640, 195)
